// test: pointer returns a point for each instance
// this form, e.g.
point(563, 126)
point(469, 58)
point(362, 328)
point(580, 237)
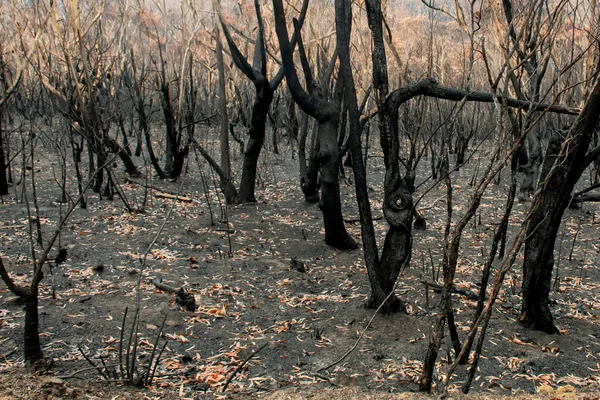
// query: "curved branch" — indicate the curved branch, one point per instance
point(19, 291)
point(430, 87)
point(236, 55)
point(317, 108)
point(281, 73)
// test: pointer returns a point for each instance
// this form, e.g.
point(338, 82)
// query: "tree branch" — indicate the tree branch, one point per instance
point(317, 108)
point(10, 283)
point(430, 87)
point(236, 55)
point(281, 73)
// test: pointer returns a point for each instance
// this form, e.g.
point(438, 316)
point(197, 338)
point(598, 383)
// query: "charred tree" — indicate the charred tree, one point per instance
point(265, 88)
point(326, 112)
point(566, 160)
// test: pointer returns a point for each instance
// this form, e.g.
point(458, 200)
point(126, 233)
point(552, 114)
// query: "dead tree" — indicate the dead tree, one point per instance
point(326, 112)
point(566, 160)
point(265, 88)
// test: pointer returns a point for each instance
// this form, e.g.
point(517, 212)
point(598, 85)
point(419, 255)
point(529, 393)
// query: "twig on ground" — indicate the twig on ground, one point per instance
point(73, 375)
point(255, 352)
point(362, 333)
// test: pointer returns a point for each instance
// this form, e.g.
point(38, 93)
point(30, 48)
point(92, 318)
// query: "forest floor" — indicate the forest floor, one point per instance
point(248, 295)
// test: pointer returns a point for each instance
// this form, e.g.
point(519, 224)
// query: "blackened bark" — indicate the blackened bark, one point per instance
point(170, 130)
point(76, 150)
point(126, 145)
point(143, 121)
point(264, 96)
point(562, 168)
point(539, 251)
point(326, 112)
point(125, 158)
point(31, 343)
point(378, 291)
point(153, 159)
point(309, 173)
point(335, 231)
point(226, 181)
point(397, 247)
point(175, 157)
point(397, 203)
point(179, 161)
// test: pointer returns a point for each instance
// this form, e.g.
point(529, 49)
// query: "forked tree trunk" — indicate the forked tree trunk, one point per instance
point(326, 112)
point(397, 203)
point(143, 122)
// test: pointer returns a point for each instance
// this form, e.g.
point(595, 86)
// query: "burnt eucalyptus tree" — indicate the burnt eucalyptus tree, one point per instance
point(398, 204)
point(381, 280)
point(265, 88)
point(326, 112)
point(566, 159)
point(532, 46)
point(177, 120)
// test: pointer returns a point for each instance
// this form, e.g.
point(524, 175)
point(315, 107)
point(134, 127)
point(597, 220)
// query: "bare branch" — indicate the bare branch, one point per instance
point(430, 87)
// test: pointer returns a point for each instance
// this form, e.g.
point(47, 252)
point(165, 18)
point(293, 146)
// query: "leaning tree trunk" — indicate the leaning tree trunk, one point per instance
point(264, 96)
point(565, 163)
point(128, 163)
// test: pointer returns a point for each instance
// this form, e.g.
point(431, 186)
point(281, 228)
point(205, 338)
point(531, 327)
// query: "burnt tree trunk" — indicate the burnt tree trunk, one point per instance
point(179, 161)
point(379, 291)
point(170, 129)
point(397, 203)
point(309, 172)
point(326, 112)
point(330, 202)
point(31, 337)
point(265, 89)
point(143, 121)
point(260, 109)
point(565, 162)
point(130, 167)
